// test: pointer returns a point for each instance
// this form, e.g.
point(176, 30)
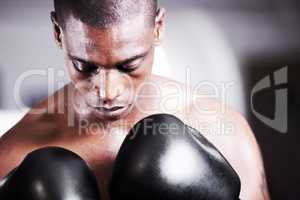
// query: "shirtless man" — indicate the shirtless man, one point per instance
point(109, 50)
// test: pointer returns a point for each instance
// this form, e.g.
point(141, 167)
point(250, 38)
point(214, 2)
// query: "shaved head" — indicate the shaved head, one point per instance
point(104, 13)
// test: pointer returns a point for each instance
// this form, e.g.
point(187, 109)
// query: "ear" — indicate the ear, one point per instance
point(56, 30)
point(159, 30)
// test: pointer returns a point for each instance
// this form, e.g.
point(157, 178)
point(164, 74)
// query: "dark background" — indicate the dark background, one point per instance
point(280, 151)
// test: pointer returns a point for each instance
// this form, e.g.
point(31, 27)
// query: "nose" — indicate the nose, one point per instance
point(109, 85)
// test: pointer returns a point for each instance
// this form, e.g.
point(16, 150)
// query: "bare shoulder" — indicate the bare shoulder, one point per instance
point(36, 129)
point(171, 95)
point(40, 121)
point(224, 127)
point(16, 143)
point(231, 134)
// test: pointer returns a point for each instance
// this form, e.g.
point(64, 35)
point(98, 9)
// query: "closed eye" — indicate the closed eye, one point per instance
point(85, 68)
point(130, 66)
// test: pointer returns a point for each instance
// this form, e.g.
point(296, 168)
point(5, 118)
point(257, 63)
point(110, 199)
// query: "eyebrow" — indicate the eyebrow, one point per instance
point(126, 61)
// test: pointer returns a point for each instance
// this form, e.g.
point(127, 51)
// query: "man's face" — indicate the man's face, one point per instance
point(108, 66)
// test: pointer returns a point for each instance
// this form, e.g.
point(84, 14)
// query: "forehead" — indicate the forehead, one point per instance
point(123, 39)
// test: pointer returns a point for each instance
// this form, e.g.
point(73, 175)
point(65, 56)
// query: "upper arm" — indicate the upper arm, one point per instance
point(7, 157)
point(231, 134)
point(249, 164)
point(33, 131)
point(13, 149)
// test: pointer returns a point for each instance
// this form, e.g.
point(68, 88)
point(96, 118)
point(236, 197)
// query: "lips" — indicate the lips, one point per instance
point(110, 113)
point(110, 109)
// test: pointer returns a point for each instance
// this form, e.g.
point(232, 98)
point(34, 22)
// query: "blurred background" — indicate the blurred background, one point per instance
point(221, 41)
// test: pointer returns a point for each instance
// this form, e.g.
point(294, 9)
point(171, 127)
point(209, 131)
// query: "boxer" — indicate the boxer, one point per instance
point(109, 48)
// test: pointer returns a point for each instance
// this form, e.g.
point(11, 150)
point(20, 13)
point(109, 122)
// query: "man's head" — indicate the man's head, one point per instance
point(104, 13)
point(109, 50)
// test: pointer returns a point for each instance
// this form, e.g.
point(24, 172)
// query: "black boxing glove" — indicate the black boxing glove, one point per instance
point(50, 174)
point(163, 159)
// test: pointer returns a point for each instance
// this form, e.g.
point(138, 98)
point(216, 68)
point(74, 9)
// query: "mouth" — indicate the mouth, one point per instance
point(110, 109)
point(111, 112)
